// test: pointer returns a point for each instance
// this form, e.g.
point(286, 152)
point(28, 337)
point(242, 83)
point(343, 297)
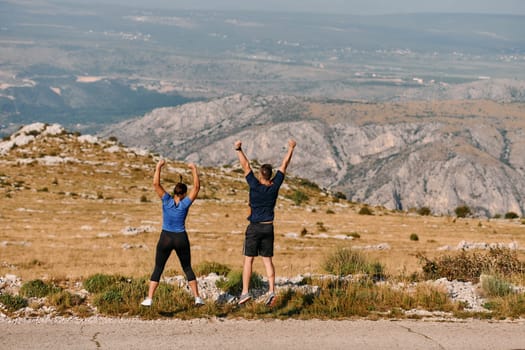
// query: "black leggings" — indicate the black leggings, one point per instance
point(169, 241)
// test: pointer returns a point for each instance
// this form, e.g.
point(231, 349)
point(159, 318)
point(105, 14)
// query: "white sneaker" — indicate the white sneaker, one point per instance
point(147, 302)
point(199, 301)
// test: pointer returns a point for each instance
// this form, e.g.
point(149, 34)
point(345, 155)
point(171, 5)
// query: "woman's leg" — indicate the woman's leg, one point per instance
point(164, 248)
point(182, 248)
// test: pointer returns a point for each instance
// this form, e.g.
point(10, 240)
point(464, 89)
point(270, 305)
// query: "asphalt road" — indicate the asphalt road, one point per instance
point(102, 333)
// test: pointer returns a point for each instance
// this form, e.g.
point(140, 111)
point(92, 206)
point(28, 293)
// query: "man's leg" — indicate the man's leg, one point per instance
point(270, 272)
point(247, 274)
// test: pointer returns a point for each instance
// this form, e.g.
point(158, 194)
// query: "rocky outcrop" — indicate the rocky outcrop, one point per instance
point(398, 156)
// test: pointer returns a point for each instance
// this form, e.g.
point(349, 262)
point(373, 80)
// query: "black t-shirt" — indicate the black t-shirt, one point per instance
point(262, 197)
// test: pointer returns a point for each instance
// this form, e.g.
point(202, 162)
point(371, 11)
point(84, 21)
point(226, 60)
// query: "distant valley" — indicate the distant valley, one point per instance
point(87, 65)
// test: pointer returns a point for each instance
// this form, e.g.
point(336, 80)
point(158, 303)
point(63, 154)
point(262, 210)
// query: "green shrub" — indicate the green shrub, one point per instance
point(330, 211)
point(495, 286)
point(463, 211)
point(340, 195)
point(99, 282)
point(346, 262)
point(299, 197)
point(497, 216)
point(366, 211)
point(13, 302)
point(143, 199)
point(309, 184)
point(122, 296)
point(424, 211)
point(232, 283)
point(38, 289)
point(414, 237)
point(207, 267)
point(64, 300)
point(511, 215)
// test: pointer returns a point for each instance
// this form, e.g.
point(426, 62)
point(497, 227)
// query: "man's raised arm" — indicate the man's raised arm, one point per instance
point(288, 156)
point(245, 163)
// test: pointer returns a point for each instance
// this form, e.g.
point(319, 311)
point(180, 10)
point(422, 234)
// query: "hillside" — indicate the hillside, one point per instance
point(400, 155)
point(77, 205)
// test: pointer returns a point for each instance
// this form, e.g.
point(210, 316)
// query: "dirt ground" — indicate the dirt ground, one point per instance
point(104, 333)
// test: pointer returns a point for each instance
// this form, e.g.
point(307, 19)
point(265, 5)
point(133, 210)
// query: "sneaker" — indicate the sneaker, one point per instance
point(270, 299)
point(244, 298)
point(199, 301)
point(147, 302)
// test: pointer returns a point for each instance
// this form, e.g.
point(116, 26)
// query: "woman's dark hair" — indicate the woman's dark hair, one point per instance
point(180, 188)
point(266, 171)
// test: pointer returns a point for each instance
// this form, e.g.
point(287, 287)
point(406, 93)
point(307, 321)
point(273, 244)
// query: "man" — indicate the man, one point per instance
point(260, 232)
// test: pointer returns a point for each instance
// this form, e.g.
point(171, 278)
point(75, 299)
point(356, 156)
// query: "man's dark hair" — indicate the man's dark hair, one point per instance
point(180, 189)
point(266, 171)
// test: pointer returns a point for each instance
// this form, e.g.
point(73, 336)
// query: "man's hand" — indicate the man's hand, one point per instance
point(292, 143)
point(161, 163)
point(192, 166)
point(237, 144)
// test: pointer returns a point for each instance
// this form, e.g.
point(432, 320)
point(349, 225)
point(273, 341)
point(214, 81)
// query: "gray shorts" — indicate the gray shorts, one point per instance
point(259, 240)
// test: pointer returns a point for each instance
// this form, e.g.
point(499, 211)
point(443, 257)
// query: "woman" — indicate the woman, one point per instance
point(173, 235)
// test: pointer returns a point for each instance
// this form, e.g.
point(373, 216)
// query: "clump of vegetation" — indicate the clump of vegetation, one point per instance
point(366, 211)
point(509, 306)
point(232, 283)
point(298, 197)
point(99, 282)
point(38, 289)
point(309, 184)
point(414, 237)
point(469, 266)
point(511, 215)
point(321, 227)
point(362, 299)
point(344, 262)
point(340, 195)
point(13, 302)
point(304, 232)
point(144, 199)
point(330, 211)
point(65, 300)
point(122, 295)
point(354, 235)
point(495, 286)
point(463, 211)
point(207, 267)
point(424, 211)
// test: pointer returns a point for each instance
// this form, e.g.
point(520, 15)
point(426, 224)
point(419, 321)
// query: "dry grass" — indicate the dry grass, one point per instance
point(65, 221)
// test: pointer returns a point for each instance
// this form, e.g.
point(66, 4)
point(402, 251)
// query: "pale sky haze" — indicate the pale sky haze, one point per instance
point(354, 7)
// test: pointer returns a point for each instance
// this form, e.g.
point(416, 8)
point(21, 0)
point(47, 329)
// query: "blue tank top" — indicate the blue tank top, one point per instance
point(173, 215)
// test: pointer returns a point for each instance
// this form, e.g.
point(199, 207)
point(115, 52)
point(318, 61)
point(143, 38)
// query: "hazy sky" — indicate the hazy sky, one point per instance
point(358, 7)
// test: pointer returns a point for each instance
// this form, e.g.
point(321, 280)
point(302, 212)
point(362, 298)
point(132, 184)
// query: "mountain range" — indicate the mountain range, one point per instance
point(439, 154)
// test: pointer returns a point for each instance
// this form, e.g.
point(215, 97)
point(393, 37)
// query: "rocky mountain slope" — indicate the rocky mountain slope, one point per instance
point(401, 155)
